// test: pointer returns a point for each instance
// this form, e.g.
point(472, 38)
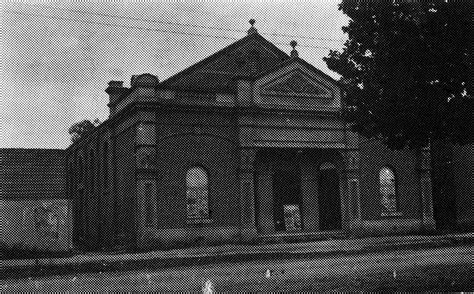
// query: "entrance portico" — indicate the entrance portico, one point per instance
point(298, 190)
point(295, 150)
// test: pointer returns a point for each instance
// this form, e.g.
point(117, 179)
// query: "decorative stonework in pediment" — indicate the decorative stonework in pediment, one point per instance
point(296, 84)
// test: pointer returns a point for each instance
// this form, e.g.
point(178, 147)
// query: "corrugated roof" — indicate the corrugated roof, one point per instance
point(32, 173)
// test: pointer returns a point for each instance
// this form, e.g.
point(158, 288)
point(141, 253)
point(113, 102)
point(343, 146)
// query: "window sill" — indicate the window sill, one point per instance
point(145, 168)
point(394, 213)
point(198, 221)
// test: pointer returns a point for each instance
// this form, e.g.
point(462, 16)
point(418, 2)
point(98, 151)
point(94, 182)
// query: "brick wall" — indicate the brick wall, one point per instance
point(463, 179)
point(178, 153)
point(125, 186)
point(374, 156)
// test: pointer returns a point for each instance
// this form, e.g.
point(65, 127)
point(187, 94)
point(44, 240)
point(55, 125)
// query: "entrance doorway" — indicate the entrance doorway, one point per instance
point(329, 198)
point(287, 200)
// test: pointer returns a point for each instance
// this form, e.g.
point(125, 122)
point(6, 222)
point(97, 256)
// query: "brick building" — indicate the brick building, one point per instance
point(246, 143)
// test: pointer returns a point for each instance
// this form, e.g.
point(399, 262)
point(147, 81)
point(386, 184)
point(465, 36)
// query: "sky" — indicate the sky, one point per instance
point(58, 56)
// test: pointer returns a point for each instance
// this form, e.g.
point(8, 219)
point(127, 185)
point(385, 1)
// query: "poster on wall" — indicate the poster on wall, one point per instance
point(197, 204)
point(292, 217)
point(46, 220)
point(388, 200)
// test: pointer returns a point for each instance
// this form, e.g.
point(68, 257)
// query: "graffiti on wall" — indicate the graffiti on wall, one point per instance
point(46, 220)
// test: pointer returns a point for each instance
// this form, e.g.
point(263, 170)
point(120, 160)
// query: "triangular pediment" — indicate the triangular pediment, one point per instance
point(296, 83)
point(248, 56)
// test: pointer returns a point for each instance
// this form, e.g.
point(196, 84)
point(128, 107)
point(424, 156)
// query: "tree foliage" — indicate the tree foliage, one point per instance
point(406, 67)
point(79, 129)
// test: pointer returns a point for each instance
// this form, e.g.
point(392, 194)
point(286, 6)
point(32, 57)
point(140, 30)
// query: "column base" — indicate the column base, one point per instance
point(429, 224)
point(355, 225)
point(248, 233)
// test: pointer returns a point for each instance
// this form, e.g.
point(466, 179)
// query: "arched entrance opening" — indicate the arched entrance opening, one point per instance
point(286, 183)
point(295, 193)
point(329, 198)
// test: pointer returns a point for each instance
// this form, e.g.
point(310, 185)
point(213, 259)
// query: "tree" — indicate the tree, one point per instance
point(406, 67)
point(79, 129)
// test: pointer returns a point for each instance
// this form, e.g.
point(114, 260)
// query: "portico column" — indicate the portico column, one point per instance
point(352, 190)
point(424, 159)
point(248, 228)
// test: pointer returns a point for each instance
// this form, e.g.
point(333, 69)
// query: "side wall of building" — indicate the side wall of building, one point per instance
point(463, 166)
point(373, 157)
point(91, 190)
point(125, 187)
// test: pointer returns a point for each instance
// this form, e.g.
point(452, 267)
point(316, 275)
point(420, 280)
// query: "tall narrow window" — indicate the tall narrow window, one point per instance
point(80, 210)
point(91, 173)
point(149, 204)
point(147, 196)
point(197, 195)
point(105, 166)
point(80, 169)
point(70, 174)
point(388, 191)
point(150, 209)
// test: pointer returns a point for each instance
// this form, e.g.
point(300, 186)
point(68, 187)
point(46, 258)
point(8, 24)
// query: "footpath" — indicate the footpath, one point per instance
point(120, 261)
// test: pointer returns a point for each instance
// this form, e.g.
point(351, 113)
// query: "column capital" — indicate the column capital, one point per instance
point(247, 158)
point(424, 159)
point(351, 159)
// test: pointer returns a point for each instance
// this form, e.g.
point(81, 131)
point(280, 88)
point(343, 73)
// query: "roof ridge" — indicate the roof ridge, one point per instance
point(222, 51)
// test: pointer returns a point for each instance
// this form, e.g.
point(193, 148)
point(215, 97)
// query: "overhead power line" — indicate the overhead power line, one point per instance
point(117, 25)
point(219, 37)
point(183, 24)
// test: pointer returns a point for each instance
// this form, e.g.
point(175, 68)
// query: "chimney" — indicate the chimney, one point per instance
point(115, 90)
point(144, 80)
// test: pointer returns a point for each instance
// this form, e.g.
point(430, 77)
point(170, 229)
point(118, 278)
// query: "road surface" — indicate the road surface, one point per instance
point(442, 269)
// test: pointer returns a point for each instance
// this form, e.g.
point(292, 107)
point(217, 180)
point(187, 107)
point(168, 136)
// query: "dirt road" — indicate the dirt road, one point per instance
point(442, 269)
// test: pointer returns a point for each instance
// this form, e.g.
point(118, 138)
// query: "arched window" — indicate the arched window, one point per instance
point(388, 190)
point(197, 194)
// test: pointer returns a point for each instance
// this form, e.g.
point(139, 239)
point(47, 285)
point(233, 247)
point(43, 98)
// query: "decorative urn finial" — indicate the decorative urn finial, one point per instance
point(252, 29)
point(294, 52)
